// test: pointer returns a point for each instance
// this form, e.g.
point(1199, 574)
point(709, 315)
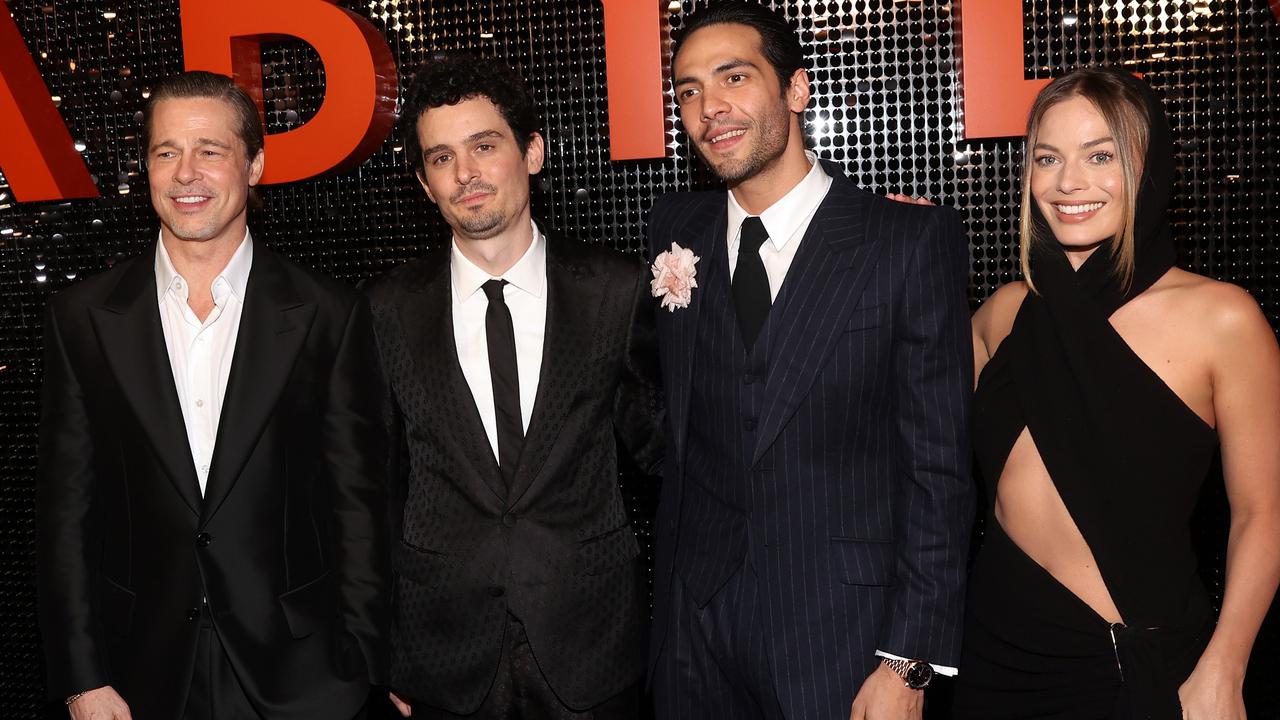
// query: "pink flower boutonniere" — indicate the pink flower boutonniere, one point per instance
point(675, 277)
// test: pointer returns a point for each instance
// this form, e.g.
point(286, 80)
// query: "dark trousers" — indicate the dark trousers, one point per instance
point(216, 693)
point(715, 662)
point(520, 692)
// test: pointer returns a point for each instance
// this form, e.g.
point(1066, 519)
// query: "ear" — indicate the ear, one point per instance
point(798, 91)
point(255, 168)
point(534, 154)
point(422, 180)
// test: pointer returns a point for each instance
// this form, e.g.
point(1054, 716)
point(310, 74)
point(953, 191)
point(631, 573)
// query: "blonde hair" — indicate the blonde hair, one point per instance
point(1123, 109)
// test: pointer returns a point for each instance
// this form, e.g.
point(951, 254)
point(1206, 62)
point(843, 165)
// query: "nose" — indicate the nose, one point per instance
point(1071, 178)
point(186, 170)
point(714, 104)
point(465, 170)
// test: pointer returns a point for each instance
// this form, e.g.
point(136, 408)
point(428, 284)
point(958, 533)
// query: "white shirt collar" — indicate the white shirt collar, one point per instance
point(528, 274)
point(234, 277)
point(783, 218)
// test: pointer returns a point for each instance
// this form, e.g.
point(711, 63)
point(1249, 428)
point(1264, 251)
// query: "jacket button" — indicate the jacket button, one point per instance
point(203, 539)
point(749, 424)
point(193, 614)
point(509, 520)
point(748, 379)
point(497, 591)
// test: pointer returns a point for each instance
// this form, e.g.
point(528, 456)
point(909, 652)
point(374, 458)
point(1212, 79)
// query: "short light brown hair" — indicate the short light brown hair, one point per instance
point(1125, 112)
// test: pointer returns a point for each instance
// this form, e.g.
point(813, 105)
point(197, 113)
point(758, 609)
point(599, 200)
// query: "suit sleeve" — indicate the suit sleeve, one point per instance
point(933, 361)
point(355, 449)
point(65, 527)
point(638, 404)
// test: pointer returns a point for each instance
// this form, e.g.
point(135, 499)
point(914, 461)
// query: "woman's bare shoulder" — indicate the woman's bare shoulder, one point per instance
point(994, 319)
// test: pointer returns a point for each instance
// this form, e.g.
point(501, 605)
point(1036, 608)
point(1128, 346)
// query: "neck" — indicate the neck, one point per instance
point(498, 254)
point(760, 191)
point(200, 261)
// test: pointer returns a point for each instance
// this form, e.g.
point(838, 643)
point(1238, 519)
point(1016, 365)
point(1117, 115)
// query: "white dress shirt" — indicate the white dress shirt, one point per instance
point(526, 297)
point(200, 352)
point(786, 222)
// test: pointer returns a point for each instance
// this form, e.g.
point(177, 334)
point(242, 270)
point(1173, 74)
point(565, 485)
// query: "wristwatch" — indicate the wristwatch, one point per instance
point(916, 674)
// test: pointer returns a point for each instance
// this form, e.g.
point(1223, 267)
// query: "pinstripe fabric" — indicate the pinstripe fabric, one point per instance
point(853, 500)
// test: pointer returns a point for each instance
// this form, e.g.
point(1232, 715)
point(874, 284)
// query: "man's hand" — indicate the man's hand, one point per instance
point(103, 703)
point(904, 198)
point(884, 696)
point(403, 707)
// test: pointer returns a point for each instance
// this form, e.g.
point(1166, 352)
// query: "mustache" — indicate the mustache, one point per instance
point(472, 189)
point(190, 190)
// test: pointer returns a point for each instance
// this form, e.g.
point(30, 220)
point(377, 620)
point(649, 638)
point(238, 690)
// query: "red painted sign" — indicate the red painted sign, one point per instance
point(38, 156)
point(361, 85)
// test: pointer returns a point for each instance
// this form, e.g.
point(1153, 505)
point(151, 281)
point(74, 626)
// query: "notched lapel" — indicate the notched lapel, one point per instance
point(827, 277)
point(574, 295)
point(273, 327)
point(704, 232)
point(132, 338)
point(426, 319)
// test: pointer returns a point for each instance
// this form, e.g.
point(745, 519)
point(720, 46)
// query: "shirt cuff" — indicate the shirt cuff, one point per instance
point(939, 669)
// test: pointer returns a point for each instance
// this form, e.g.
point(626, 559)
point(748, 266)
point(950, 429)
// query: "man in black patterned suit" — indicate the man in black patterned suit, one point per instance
point(519, 361)
point(813, 528)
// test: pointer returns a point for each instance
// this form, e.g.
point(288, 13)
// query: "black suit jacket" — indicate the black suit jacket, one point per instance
point(287, 543)
point(557, 551)
point(858, 498)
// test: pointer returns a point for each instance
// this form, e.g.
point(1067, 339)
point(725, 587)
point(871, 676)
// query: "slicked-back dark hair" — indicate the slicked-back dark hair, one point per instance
point(448, 78)
point(779, 41)
point(202, 84)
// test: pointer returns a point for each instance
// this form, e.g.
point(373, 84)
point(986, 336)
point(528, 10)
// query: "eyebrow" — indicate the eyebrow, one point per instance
point(1083, 145)
point(473, 137)
point(724, 67)
point(200, 142)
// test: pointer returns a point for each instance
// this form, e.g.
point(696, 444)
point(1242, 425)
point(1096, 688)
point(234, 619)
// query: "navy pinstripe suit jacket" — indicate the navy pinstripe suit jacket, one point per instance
point(860, 500)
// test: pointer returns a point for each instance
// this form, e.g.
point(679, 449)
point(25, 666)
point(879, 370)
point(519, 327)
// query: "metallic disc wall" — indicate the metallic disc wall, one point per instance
point(886, 106)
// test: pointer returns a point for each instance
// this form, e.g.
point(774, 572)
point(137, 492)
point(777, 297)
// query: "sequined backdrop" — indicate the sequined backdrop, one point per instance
point(886, 105)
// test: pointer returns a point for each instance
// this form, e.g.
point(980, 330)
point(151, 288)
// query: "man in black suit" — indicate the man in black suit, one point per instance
point(816, 508)
point(518, 361)
point(210, 533)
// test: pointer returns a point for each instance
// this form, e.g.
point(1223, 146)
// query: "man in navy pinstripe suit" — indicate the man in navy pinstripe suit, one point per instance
point(815, 518)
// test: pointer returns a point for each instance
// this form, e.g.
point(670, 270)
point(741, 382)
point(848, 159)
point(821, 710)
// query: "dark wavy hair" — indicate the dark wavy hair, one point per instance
point(779, 41)
point(448, 78)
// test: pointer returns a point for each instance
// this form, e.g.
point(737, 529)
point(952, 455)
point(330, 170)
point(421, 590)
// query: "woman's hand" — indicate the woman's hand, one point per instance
point(1212, 693)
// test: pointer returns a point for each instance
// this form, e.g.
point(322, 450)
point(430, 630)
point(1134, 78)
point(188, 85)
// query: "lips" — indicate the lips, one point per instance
point(1076, 212)
point(190, 202)
point(724, 138)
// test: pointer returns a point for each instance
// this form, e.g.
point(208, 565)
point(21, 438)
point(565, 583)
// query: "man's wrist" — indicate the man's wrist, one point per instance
point(915, 674)
point(72, 698)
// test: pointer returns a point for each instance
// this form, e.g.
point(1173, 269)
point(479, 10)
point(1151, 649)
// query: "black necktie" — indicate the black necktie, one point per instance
point(750, 283)
point(501, 336)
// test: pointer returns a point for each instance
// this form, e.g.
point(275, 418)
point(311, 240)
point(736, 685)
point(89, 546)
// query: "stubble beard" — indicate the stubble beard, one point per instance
point(770, 140)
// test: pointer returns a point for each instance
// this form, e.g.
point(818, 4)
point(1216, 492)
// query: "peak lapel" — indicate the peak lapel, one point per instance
point(573, 300)
point(703, 229)
point(273, 326)
point(132, 338)
point(426, 319)
point(823, 286)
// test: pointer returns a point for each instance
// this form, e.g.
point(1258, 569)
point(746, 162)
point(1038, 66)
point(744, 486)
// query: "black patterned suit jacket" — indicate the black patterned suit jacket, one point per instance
point(558, 550)
point(856, 503)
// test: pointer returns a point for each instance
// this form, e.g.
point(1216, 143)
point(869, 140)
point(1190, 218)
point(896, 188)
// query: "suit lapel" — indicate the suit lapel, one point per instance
point(426, 319)
point(132, 338)
point(823, 285)
point(704, 231)
point(273, 326)
point(573, 302)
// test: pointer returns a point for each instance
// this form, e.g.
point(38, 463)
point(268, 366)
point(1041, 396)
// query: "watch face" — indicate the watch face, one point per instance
point(919, 675)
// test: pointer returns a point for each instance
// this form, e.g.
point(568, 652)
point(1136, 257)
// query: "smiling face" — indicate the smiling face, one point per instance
point(740, 120)
point(1077, 178)
point(473, 169)
point(198, 170)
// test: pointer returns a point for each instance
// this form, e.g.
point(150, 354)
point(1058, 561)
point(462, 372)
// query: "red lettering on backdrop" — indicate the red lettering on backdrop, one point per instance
point(358, 109)
point(37, 154)
point(633, 61)
point(1275, 9)
point(997, 96)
